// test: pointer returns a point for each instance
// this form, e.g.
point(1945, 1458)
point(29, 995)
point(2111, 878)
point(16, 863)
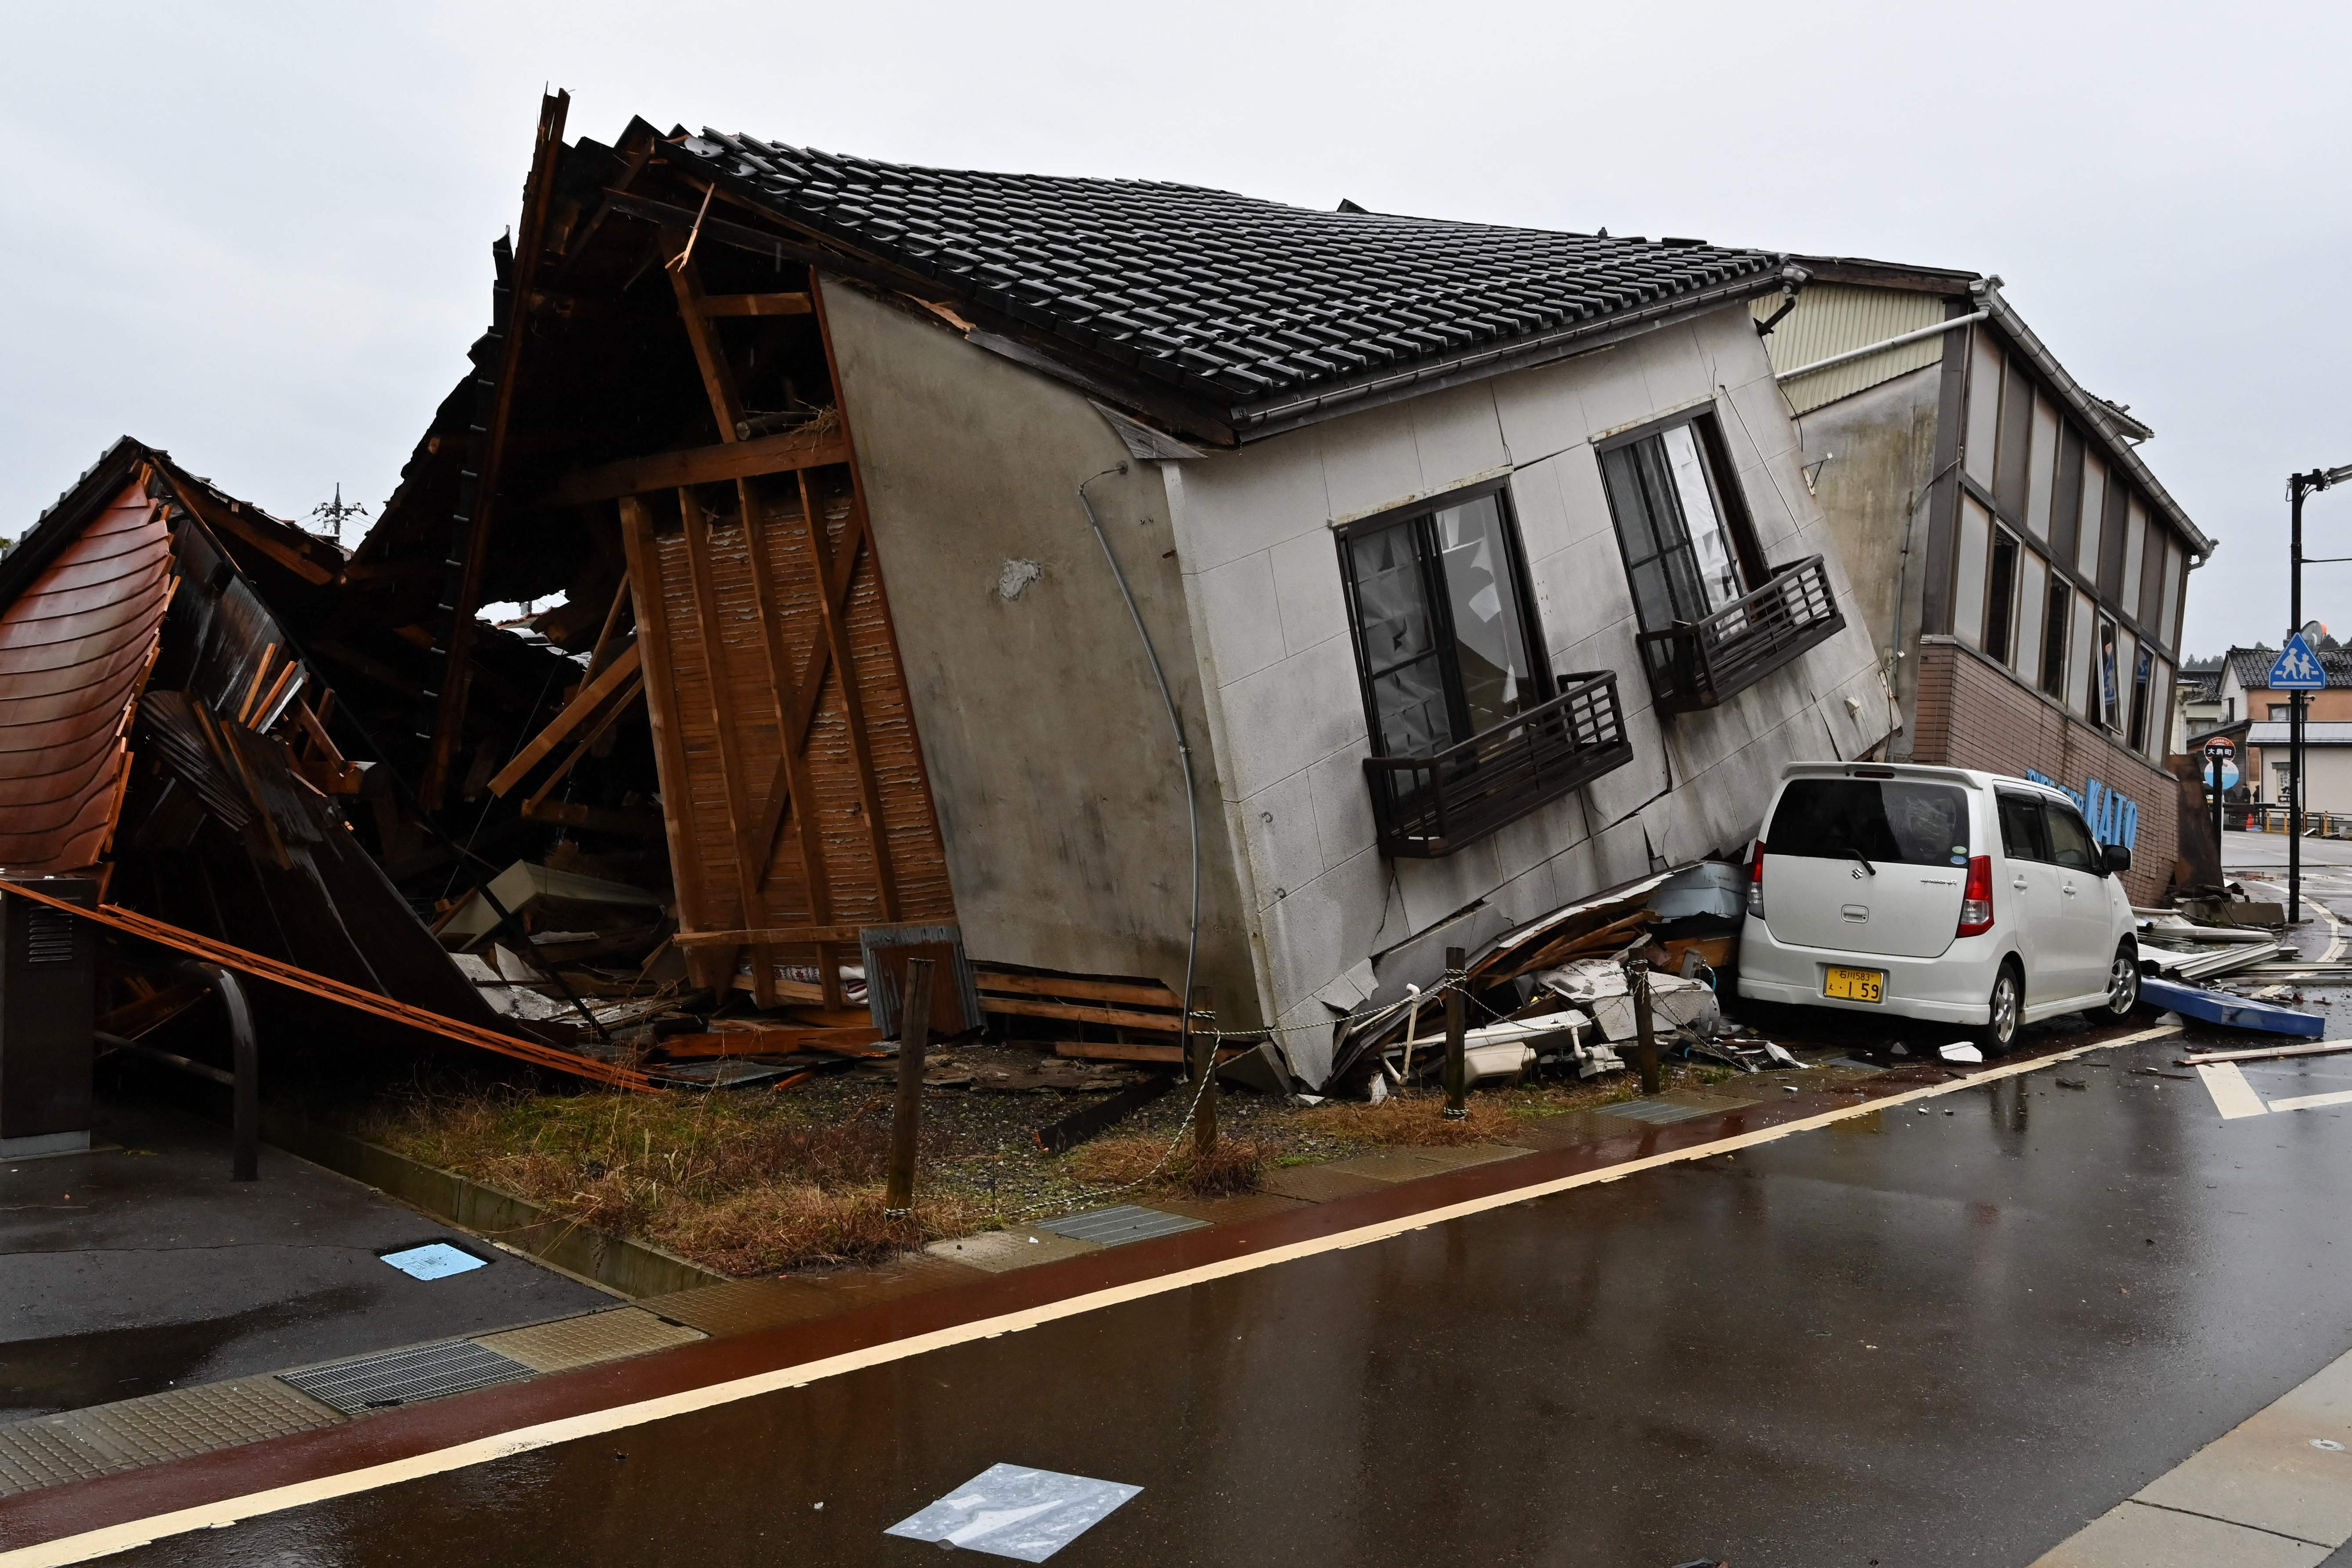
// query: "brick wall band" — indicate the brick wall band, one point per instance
point(1968, 712)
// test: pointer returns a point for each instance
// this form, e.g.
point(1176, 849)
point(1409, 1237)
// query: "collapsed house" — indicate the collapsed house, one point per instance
point(1110, 587)
point(166, 763)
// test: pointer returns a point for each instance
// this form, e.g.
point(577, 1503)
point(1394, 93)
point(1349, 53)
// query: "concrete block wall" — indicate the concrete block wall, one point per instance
point(1253, 532)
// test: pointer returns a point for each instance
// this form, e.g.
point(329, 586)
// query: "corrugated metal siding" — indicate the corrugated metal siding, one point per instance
point(1833, 318)
point(75, 647)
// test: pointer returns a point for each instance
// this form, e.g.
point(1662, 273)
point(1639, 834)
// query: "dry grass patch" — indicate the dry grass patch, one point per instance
point(735, 1182)
point(1414, 1120)
point(1129, 1159)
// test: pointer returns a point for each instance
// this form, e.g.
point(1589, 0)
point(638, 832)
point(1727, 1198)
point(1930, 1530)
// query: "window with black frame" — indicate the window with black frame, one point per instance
point(1687, 548)
point(1442, 629)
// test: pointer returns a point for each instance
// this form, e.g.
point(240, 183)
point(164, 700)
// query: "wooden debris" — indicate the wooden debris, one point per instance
point(2268, 1053)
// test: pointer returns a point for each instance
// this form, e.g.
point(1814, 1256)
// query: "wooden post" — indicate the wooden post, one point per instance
point(914, 1033)
point(1204, 1071)
point(1646, 1056)
point(1457, 1013)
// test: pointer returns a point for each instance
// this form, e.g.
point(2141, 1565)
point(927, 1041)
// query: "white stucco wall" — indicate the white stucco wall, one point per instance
point(1253, 533)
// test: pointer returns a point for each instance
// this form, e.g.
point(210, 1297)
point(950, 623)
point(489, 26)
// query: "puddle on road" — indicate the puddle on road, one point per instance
point(70, 1371)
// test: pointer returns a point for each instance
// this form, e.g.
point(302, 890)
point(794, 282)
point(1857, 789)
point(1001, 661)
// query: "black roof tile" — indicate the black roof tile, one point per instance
point(2253, 664)
point(1227, 296)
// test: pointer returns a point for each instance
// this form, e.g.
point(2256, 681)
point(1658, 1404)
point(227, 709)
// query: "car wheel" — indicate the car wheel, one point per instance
point(2123, 983)
point(2003, 1007)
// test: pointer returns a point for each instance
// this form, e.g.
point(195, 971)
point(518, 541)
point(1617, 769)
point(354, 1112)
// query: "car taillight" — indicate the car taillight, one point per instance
point(1755, 882)
point(1976, 898)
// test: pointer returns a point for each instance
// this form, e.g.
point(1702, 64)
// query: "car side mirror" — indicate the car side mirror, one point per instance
point(2118, 859)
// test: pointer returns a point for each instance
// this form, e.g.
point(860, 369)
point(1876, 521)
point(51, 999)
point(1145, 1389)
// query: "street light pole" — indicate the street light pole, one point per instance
point(2297, 487)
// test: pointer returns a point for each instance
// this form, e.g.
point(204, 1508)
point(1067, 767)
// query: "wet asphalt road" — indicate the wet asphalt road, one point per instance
point(1909, 1339)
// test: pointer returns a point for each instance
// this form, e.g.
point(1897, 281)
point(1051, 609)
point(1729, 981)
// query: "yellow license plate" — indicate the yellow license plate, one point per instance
point(1855, 984)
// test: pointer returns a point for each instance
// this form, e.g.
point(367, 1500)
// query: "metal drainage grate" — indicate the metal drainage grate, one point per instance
point(1658, 1111)
point(404, 1377)
point(1128, 1222)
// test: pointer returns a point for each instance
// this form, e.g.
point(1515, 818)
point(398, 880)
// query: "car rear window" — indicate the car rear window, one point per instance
point(1894, 820)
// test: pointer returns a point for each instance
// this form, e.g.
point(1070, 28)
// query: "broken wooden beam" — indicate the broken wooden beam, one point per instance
point(197, 945)
point(577, 712)
point(2267, 1053)
point(787, 453)
point(775, 1042)
point(1108, 1017)
point(1096, 1051)
point(1139, 993)
point(479, 493)
point(781, 304)
point(1060, 1137)
point(784, 936)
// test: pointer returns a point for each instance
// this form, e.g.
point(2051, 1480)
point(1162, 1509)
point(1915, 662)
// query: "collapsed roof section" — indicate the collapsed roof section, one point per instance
point(1231, 316)
point(165, 731)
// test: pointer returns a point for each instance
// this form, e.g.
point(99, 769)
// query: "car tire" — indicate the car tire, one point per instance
point(2123, 983)
point(2004, 1008)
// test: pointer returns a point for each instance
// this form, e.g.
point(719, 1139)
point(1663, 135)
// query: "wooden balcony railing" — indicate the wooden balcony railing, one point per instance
point(1432, 805)
point(1698, 664)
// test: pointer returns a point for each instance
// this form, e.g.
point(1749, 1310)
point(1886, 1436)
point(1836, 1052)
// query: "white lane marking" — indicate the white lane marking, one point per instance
point(2233, 1096)
point(110, 1538)
point(2314, 1101)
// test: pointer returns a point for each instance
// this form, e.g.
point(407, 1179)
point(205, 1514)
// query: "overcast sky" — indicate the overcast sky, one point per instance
point(259, 235)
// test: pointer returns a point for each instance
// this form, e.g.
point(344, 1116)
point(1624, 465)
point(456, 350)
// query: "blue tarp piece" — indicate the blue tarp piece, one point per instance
point(2236, 1012)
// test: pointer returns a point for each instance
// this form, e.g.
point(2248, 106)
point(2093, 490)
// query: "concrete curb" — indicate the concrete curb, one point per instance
point(631, 1268)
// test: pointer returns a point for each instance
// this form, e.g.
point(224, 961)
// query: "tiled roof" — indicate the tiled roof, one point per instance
point(1238, 301)
point(2251, 666)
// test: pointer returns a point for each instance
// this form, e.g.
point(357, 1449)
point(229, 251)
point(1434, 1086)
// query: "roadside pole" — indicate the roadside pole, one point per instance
point(914, 1035)
point(1204, 1066)
point(1457, 1019)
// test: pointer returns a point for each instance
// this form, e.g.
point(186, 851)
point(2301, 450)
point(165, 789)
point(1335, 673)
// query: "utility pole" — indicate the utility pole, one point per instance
point(336, 512)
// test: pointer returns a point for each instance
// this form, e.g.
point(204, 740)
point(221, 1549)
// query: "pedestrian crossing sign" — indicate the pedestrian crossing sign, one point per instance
point(2297, 668)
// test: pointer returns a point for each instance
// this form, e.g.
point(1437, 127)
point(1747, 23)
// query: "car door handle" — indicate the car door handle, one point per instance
point(2020, 884)
point(2070, 889)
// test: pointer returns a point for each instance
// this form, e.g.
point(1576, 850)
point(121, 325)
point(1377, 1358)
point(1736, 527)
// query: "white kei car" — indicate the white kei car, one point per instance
point(1936, 893)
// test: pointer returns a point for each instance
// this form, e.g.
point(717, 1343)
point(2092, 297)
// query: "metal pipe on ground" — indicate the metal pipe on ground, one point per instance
point(906, 1126)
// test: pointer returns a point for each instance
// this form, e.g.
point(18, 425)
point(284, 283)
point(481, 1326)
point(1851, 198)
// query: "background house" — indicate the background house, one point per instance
point(2260, 718)
point(2022, 571)
point(2245, 693)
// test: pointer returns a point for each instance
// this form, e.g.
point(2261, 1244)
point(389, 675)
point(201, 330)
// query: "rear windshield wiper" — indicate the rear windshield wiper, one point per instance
point(1863, 858)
